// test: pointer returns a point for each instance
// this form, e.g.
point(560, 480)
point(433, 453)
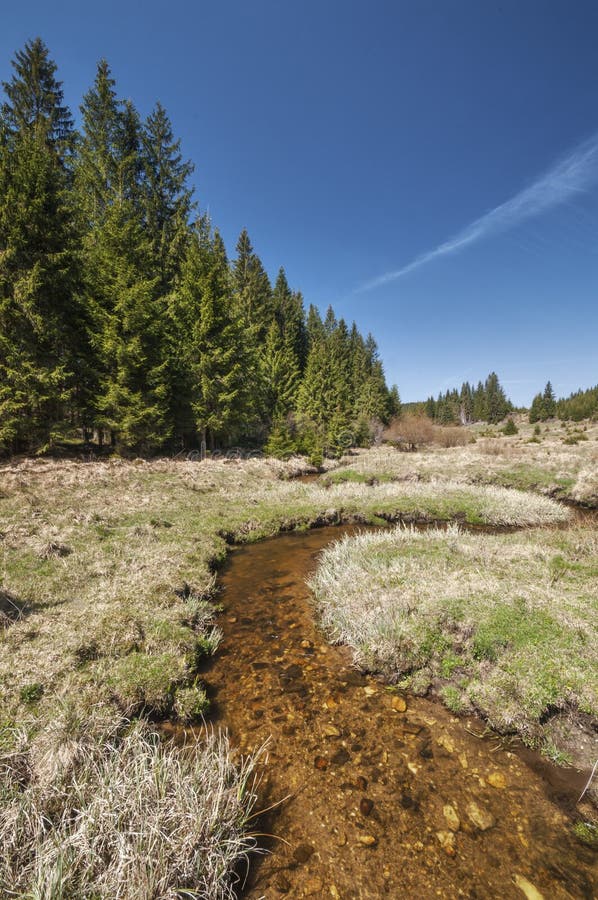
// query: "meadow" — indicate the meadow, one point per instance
point(109, 605)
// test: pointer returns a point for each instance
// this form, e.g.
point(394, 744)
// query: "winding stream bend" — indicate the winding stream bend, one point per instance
point(386, 796)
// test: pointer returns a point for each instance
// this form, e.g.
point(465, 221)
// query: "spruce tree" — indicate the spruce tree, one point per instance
point(372, 401)
point(35, 100)
point(497, 404)
point(313, 391)
point(536, 412)
point(579, 405)
point(166, 197)
point(124, 288)
point(98, 150)
point(430, 408)
point(287, 307)
point(252, 289)
point(42, 353)
point(466, 404)
point(314, 326)
point(394, 402)
point(134, 401)
point(325, 396)
point(479, 404)
point(279, 372)
point(549, 402)
point(214, 345)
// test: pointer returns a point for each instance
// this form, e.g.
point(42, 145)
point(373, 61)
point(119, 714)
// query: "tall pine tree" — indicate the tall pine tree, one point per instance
point(214, 349)
point(165, 196)
point(42, 355)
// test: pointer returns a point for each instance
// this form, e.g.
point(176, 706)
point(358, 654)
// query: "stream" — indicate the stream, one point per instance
point(369, 793)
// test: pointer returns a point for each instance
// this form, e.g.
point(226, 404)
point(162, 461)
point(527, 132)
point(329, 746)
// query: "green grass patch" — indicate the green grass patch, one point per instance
point(527, 477)
point(142, 682)
point(587, 833)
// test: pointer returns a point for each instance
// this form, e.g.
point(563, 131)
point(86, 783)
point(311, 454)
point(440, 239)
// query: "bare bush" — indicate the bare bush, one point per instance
point(409, 432)
point(451, 436)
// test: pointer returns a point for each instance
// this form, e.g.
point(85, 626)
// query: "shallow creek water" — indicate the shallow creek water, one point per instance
point(387, 795)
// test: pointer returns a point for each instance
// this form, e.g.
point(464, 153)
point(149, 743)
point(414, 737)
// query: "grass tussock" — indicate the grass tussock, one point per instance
point(133, 820)
point(500, 624)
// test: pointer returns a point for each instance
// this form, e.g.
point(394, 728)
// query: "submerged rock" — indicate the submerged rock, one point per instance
point(341, 757)
point(366, 806)
point(447, 841)
point(497, 780)
point(452, 819)
point(398, 704)
point(368, 840)
point(303, 852)
point(528, 888)
point(481, 818)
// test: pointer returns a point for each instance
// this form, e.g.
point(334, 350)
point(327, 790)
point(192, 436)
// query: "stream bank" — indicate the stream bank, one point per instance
point(386, 795)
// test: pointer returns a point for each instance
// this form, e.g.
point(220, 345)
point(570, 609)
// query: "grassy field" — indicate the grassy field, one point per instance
point(107, 608)
point(503, 625)
point(561, 461)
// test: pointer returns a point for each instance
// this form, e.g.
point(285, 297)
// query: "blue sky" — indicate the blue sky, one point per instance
point(352, 139)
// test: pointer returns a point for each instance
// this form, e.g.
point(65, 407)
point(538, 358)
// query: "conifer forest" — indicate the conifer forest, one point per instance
point(122, 319)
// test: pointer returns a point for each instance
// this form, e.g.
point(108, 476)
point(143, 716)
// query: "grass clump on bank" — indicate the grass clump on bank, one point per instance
point(134, 819)
point(503, 625)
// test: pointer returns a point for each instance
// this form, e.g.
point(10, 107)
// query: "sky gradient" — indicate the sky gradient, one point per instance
point(429, 168)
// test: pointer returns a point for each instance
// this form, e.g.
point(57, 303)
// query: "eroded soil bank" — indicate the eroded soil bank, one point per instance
point(387, 795)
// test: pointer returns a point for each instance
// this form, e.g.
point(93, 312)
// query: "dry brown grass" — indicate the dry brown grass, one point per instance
point(451, 436)
point(525, 461)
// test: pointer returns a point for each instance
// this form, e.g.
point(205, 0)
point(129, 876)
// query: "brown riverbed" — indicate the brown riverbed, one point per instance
point(387, 795)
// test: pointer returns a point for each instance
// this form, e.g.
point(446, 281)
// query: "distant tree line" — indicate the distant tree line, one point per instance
point(487, 402)
point(121, 317)
point(582, 404)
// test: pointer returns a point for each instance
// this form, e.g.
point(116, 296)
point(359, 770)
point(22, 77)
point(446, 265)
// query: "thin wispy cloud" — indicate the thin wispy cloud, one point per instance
point(573, 175)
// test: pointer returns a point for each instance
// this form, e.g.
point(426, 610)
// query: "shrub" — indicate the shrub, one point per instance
point(451, 436)
point(31, 693)
point(146, 682)
point(409, 431)
point(452, 698)
point(205, 645)
point(281, 443)
point(510, 428)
